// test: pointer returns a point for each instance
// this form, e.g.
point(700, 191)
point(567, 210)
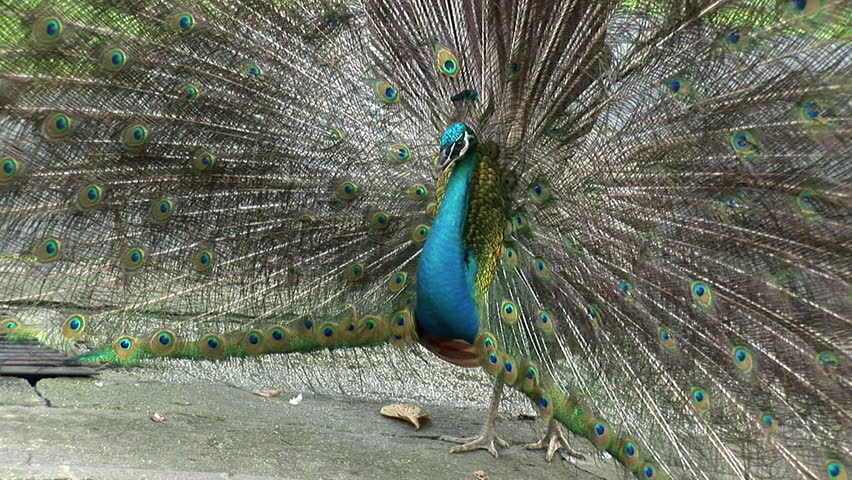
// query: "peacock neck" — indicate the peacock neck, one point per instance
point(446, 304)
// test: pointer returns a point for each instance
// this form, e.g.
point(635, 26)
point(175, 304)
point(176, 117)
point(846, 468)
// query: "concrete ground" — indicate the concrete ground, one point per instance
point(100, 428)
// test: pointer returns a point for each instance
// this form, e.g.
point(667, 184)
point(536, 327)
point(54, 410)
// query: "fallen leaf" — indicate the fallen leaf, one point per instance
point(407, 412)
point(481, 475)
point(269, 393)
point(158, 417)
point(296, 400)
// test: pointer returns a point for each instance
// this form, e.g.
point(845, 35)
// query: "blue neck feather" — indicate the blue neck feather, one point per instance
point(446, 306)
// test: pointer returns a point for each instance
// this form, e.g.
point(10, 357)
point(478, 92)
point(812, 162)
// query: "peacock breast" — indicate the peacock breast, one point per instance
point(459, 259)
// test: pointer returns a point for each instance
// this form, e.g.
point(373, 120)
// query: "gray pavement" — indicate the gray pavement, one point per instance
point(101, 429)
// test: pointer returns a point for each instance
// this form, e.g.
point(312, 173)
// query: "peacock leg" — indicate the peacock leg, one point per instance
point(552, 440)
point(487, 439)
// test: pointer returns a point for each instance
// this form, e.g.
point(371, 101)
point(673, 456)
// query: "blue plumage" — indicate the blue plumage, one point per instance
point(446, 306)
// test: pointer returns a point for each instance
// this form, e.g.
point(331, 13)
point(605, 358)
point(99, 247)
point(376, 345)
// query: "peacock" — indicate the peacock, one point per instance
point(634, 212)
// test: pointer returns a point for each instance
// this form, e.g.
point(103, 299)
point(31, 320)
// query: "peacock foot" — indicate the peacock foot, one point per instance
point(552, 440)
point(488, 440)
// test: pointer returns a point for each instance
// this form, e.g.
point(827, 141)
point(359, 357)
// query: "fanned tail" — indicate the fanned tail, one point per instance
point(674, 277)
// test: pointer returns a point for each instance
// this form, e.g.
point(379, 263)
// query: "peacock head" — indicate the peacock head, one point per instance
point(457, 141)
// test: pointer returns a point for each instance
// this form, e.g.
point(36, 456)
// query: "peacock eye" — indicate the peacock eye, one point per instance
point(734, 37)
point(9, 168)
point(332, 19)
point(811, 109)
point(679, 87)
point(75, 324)
point(135, 136)
point(253, 70)
point(509, 312)
point(674, 85)
point(56, 127)
point(47, 30)
point(189, 93)
point(420, 233)
point(114, 59)
point(133, 259)
point(398, 282)
point(446, 61)
point(417, 192)
point(513, 70)
point(702, 293)
point(386, 92)
point(183, 22)
point(52, 29)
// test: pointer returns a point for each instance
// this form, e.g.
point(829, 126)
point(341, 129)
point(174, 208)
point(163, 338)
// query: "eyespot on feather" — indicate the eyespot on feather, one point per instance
point(114, 59)
point(386, 92)
point(399, 153)
point(398, 282)
point(135, 136)
point(47, 30)
point(133, 259)
point(212, 346)
point(203, 261)
point(203, 162)
point(446, 61)
point(73, 326)
point(347, 191)
point(703, 295)
point(189, 93)
point(88, 197)
point(48, 250)
point(511, 372)
point(161, 210)
point(700, 399)
point(56, 127)
point(163, 342)
point(509, 312)
point(276, 339)
point(380, 221)
point(420, 233)
point(10, 170)
point(182, 21)
point(253, 342)
point(124, 347)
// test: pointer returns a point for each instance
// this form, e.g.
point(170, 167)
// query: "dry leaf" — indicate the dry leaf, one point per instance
point(407, 412)
point(158, 417)
point(269, 393)
point(481, 475)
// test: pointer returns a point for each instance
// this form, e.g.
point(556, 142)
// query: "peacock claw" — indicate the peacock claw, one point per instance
point(552, 440)
point(487, 441)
